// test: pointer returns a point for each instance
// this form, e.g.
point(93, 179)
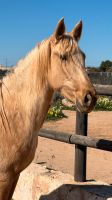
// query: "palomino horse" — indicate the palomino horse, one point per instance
point(55, 64)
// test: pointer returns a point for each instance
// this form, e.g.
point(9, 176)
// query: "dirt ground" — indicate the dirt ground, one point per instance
point(60, 156)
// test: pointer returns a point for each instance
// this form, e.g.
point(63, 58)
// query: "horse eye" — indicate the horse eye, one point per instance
point(63, 57)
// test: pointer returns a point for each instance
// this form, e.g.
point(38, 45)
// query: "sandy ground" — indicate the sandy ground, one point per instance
point(60, 156)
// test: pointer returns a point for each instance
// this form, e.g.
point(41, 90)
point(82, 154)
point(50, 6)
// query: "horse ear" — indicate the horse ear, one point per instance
point(60, 29)
point(76, 32)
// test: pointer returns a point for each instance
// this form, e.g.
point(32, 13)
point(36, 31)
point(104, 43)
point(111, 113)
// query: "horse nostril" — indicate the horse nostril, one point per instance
point(87, 100)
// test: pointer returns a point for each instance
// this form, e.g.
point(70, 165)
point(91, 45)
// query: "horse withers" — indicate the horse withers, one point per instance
point(56, 64)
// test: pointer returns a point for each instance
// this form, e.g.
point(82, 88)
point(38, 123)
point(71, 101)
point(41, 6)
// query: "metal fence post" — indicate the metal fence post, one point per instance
point(80, 151)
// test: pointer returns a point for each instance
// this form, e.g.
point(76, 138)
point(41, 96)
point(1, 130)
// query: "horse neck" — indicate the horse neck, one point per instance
point(29, 83)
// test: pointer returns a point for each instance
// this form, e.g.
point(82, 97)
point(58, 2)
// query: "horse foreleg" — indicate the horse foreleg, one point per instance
point(7, 187)
point(13, 187)
point(4, 190)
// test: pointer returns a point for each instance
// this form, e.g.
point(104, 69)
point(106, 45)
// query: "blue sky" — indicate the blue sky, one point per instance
point(23, 23)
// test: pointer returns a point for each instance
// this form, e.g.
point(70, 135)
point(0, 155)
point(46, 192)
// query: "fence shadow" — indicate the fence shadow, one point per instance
point(79, 192)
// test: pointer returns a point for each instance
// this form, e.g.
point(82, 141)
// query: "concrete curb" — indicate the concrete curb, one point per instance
point(39, 183)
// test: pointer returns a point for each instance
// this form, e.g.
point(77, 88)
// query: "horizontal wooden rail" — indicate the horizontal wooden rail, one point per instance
point(77, 139)
point(103, 89)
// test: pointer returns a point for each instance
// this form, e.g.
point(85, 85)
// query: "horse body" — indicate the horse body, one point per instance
point(24, 108)
point(26, 94)
point(24, 104)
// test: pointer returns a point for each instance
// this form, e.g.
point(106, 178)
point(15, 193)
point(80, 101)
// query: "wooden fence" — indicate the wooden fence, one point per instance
point(80, 138)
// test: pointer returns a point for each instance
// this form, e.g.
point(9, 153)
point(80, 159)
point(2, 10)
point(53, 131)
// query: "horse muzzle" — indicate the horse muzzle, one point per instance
point(87, 104)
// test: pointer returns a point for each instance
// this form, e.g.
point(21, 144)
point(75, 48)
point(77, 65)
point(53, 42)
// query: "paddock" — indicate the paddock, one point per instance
point(60, 156)
point(52, 173)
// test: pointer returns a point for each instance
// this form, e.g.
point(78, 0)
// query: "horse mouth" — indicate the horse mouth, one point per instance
point(85, 104)
point(85, 109)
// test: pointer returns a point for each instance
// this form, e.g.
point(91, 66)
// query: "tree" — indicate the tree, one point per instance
point(92, 69)
point(106, 66)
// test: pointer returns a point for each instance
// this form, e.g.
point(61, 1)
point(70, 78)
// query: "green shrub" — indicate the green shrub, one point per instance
point(55, 111)
point(103, 103)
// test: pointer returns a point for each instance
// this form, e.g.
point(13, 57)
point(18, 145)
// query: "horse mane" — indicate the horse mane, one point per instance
point(35, 61)
point(38, 57)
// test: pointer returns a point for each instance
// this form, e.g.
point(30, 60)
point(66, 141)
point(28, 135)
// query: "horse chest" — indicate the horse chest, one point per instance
point(25, 154)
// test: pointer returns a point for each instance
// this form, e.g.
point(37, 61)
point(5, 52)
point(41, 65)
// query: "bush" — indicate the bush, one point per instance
point(103, 103)
point(55, 111)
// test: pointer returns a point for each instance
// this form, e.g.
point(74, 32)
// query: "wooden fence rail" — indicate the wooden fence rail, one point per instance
point(81, 142)
point(95, 143)
point(103, 89)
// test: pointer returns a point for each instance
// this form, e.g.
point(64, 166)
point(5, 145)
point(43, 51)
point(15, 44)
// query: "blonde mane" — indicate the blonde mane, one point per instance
point(34, 57)
point(27, 77)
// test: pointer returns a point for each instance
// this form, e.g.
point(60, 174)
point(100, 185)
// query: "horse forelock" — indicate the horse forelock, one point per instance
point(67, 43)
